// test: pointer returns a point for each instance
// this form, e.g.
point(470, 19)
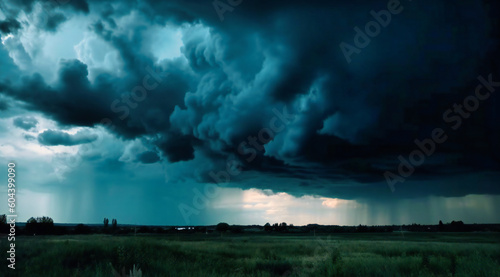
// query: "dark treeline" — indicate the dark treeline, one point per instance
point(46, 226)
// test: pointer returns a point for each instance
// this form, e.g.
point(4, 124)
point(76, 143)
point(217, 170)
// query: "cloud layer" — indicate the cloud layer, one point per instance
point(267, 89)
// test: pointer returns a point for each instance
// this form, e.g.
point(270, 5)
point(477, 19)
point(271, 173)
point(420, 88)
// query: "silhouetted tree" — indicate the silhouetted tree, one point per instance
point(222, 227)
point(4, 227)
point(236, 229)
point(441, 226)
point(114, 223)
point(282, 227)
point(457, 226)
point(40, 225)
point(106, 222)
point(268, 227)
point(82, 229)
point(362, 228)
point(276, 226)
point(144, 229)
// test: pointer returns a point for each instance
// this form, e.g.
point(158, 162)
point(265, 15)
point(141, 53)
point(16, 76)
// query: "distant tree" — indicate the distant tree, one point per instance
point(40, 225)
point(276, 226)
point(114, 223)
point(236, 229)
point(267, 227)
point(82, 229)
point(441, 226)
point(45, 220)
point(362, 228)
point(222, 227)
point(4, 227)
point(457, 226)
point(106, 222)
point(31, 226)
point(144, 229)
point(282, 227)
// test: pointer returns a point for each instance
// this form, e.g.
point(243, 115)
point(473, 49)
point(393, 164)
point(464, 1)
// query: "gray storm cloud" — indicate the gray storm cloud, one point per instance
point(51, 138)
point(233, 74)
point(26, 122)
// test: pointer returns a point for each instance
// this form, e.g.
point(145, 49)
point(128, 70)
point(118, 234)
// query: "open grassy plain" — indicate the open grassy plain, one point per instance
point(387, 254)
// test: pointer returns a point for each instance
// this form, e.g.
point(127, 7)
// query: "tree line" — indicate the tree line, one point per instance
point(45, 226)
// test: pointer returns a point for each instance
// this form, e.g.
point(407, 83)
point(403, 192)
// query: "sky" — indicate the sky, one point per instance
point(198, 112)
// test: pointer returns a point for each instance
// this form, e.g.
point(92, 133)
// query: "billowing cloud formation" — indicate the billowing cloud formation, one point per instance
point(26, 123)
point(51, 138)
point(270, 88)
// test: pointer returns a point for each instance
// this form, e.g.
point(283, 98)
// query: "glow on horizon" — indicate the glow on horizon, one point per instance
point(255, 206)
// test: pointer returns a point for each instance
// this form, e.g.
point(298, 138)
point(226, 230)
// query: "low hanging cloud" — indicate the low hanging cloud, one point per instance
point(54, 137)
point(25, 122)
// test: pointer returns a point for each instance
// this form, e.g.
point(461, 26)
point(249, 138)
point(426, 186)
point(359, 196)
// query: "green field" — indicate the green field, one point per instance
point(392, 254)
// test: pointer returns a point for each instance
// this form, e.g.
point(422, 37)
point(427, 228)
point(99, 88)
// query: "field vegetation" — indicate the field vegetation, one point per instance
point(229, 254)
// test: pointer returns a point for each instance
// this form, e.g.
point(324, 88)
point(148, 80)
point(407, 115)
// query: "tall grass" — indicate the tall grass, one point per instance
point(198, 255)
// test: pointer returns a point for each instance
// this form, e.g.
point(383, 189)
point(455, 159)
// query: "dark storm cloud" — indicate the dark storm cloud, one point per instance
point(78, 5)
point(9, 26)
point(75, 101)
point(25, 122)
point(352, 120)
point(72, 101)
point(177, 148)
point(148, 157)
point(3, 105)
point(53, 21)
point(52, 138)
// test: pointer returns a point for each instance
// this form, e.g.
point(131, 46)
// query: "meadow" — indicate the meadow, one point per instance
point(387, 254)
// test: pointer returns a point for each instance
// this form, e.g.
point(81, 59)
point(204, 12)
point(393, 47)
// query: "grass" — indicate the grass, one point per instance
point(414, 254)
